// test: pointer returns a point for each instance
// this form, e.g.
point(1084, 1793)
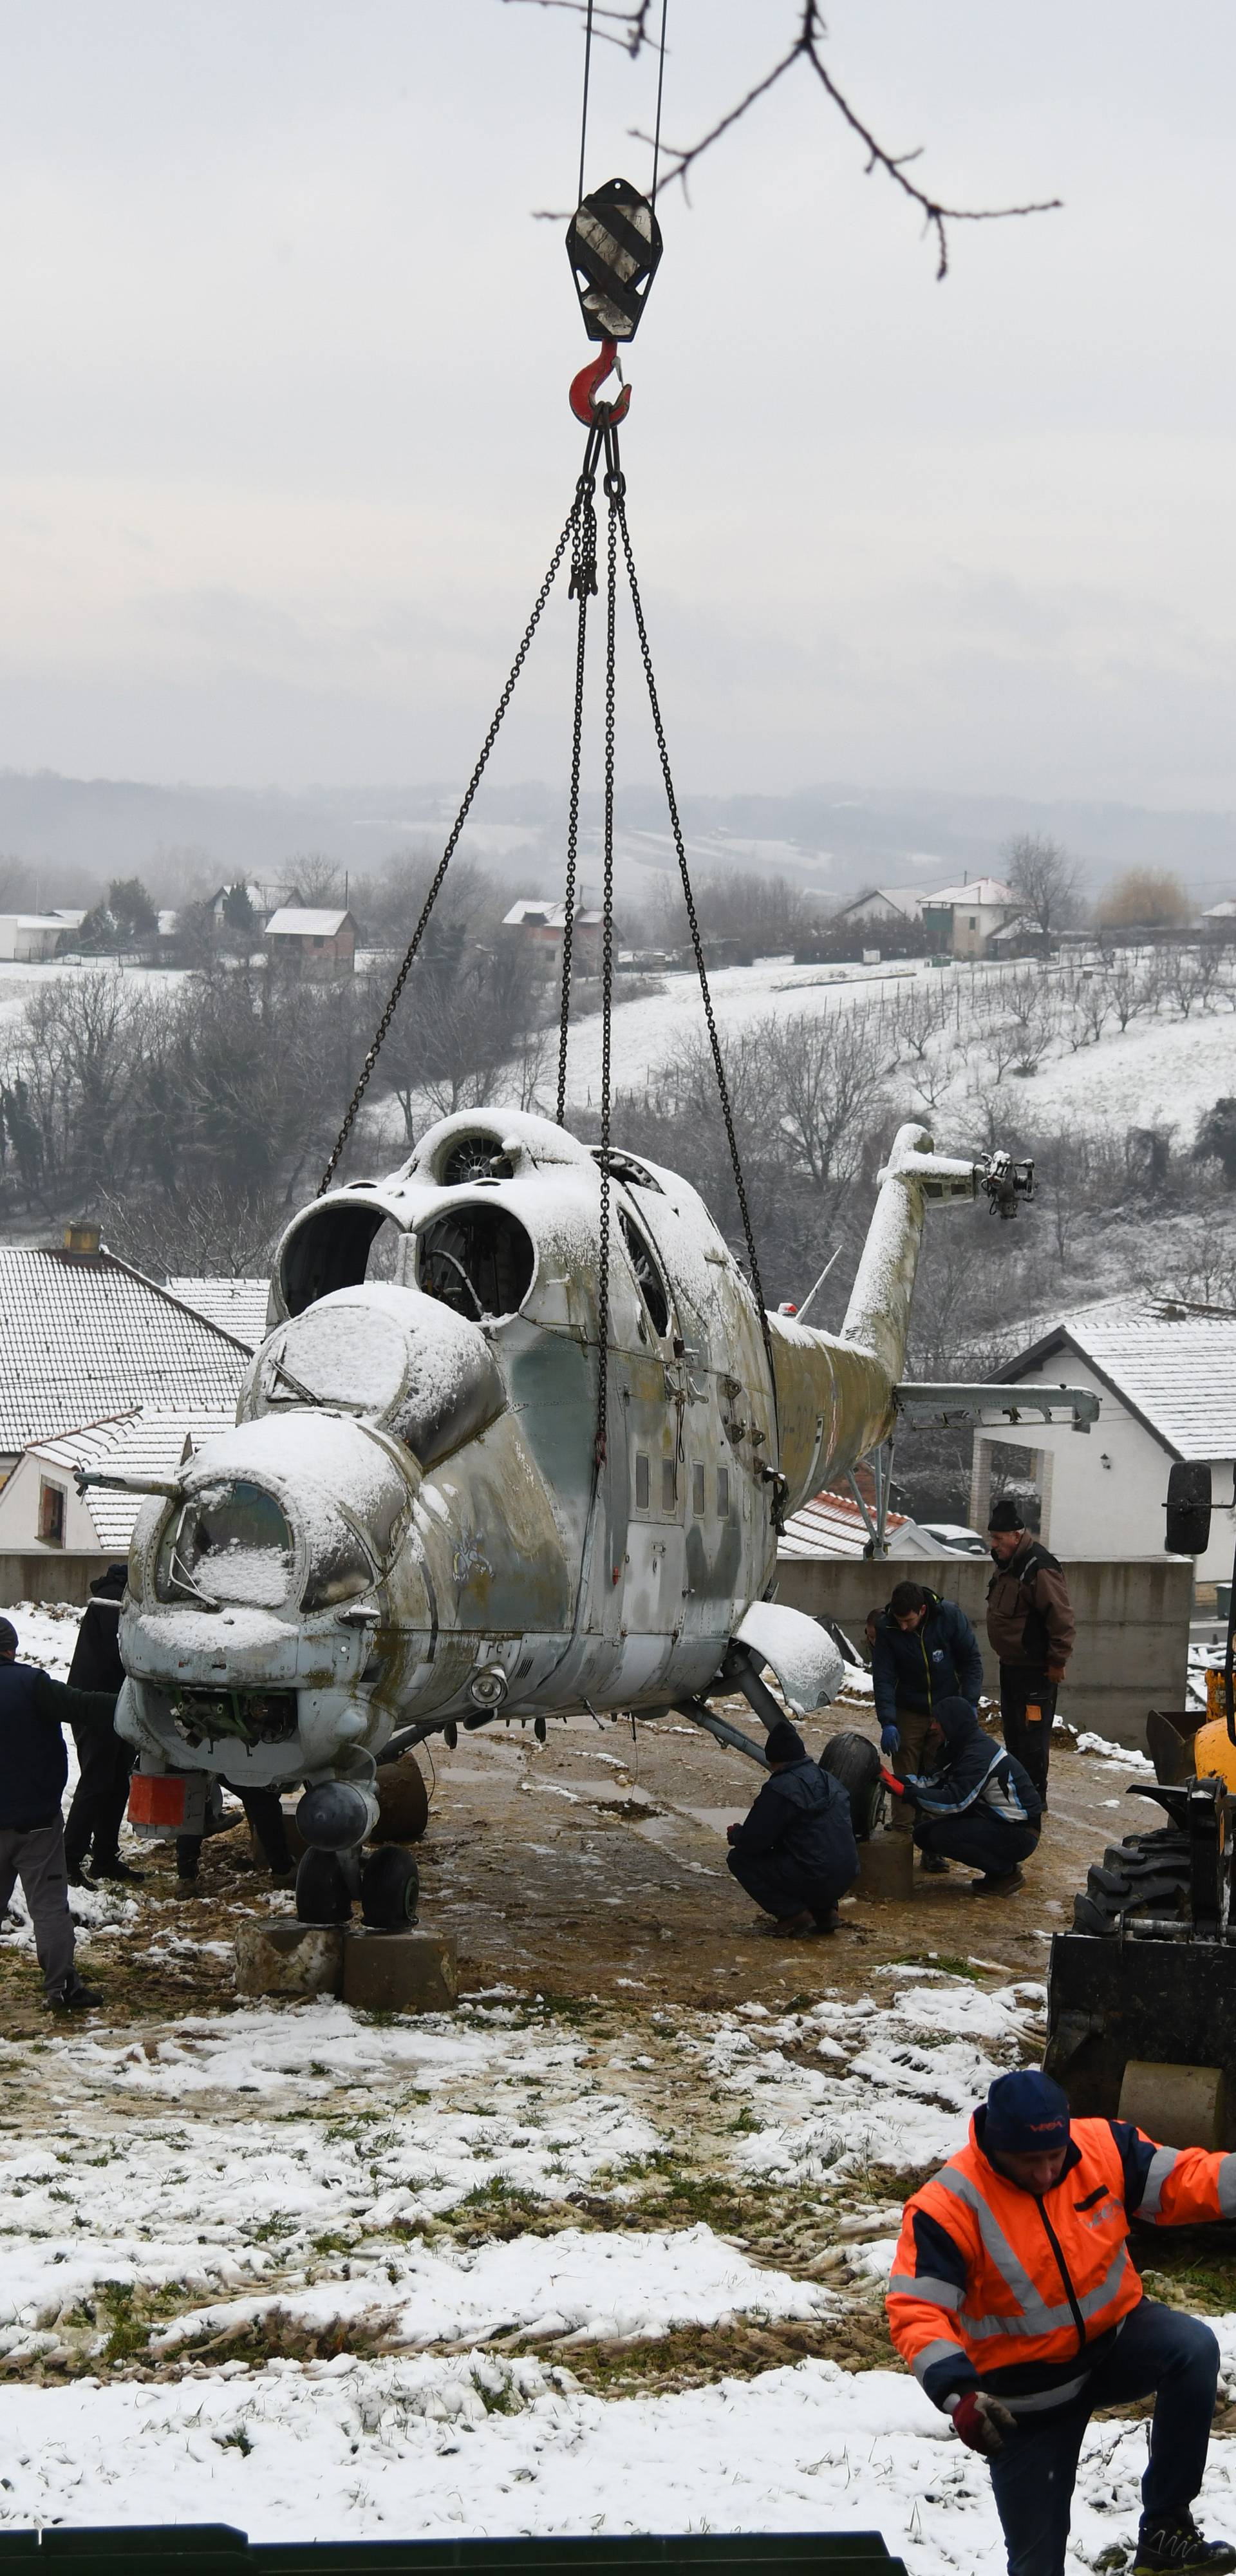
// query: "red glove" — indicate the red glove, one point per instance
point(892, 1782)
point(1055, 1673)
point(982, 2422)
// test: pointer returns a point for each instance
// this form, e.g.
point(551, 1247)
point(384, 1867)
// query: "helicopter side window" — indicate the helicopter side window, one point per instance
point(647, 1276)
point(478, 1260)
point(698, 1505)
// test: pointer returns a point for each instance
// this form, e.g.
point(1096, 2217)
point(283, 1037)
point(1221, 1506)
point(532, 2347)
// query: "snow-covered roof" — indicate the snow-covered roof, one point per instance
point(1225, 911)
point(56, 921)
point(1172, 1365)
point(907, 900)
point(82, 1336)
point(136, 1443)
point(832, 1525)
point(238, 1305)
point(989, 891)
point(531, 914)
point(291, 923)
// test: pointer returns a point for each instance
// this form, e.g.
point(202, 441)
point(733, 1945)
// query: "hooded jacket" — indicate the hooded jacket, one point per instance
point(1029, 1614)
point(1023, 2294)
point(918, 1667)
point(975, 1773)
point(802, 1818)
point(96, 1664)
point(33, 1763)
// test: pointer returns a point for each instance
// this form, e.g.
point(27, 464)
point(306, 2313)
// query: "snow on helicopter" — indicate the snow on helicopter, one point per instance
point(414, 1527)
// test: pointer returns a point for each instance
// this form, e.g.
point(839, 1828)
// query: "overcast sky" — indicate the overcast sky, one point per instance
point(284, 441)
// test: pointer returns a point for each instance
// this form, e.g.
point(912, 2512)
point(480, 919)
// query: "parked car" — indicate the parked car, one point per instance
point(955, 1538)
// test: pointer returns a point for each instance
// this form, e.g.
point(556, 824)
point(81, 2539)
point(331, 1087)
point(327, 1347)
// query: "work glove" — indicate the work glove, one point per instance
point(982, 2422)
point(731, 1833)
point(1055, 1673)
point(890, 1739)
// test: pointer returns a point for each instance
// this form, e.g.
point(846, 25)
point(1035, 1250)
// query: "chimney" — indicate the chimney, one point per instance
point(83, 1236)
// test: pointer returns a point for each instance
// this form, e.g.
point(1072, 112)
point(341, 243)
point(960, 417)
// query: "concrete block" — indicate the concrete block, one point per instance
point(289, 1959)
point(405, 1972)
point(1178, 2106)
point(886, 1868)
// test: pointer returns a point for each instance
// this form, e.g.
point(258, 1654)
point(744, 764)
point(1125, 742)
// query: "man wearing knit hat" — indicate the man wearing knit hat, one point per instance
point(1031, 1628)
point(795, 1851)
point(1016, 2304)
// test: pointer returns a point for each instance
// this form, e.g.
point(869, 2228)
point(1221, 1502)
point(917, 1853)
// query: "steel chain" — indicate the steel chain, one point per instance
point(583, 587)
point(613, 494)
point(449, 852)
point(696, 943)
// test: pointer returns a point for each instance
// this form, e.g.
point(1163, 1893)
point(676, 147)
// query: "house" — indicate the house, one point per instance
point(263, 899)
point(28, 938)
point(833, 1525)
point(959, 920)
point(898, 904)
point(319, 945)
point(1221, 913)
point(42, 1512)
point(237, 1305)
point(542, 922)
point(84, 1337)
point(1165, 1376)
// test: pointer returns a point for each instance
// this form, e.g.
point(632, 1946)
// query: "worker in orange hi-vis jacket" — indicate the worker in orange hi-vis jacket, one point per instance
point(1016, 2304)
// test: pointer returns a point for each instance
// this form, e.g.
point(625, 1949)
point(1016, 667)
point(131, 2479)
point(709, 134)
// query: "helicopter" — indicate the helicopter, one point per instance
point(414, 1526)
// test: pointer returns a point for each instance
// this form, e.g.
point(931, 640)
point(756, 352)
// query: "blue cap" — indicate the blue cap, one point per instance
point(1027, 2114)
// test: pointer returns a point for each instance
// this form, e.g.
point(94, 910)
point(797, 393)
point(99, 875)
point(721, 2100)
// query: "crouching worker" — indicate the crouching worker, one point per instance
point(978, 1804)
point(795, 1852)
point(33, 1769)
point(1016, 2304)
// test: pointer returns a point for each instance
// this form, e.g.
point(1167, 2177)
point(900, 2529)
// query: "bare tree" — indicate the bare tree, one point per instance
point(1128, 987)
point(1045, 881)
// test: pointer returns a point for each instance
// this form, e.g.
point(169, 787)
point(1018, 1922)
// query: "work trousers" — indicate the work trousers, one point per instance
point(36, 1857)
point(265, 1814)
point(781, 1889)
point(912, 1727)
point(102, 1793)
point(1161, 2353)
point(1023, 1688)
point(979, 1838)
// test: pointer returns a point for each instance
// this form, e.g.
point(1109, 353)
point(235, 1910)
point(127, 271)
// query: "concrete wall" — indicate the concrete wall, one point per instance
point(1102, 1491)
point(49, 1575)
point(1132, 1624)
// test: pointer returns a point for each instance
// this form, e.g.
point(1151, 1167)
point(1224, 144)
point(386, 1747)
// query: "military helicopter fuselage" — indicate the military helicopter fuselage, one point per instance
point(410, 1526)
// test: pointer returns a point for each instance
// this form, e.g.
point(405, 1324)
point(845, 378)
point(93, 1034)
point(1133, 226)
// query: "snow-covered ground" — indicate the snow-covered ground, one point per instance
point(289, 2166)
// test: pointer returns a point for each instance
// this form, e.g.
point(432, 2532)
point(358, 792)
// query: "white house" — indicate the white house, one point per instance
point(1165, 1376)
point(900, 904)
point(41, 1510)
point(962, 918)
point(29, 938)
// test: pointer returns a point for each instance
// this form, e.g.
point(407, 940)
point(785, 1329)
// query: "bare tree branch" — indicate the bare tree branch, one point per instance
point(937, 216)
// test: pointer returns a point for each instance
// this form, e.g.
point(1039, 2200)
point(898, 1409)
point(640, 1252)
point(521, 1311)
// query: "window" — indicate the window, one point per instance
point(973, 922)
point(641, 1484)
point(723, 1492)
point(648, 1278)
point(51, 1514)
point(669, 1486)
point(698, 1504)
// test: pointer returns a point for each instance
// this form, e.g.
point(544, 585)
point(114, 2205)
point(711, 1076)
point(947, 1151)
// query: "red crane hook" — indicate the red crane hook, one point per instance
point(584, 389)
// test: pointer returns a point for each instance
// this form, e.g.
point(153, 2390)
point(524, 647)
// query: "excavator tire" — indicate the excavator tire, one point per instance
point(853, 1760)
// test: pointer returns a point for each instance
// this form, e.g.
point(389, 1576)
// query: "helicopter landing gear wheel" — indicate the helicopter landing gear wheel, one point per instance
point(322, 1892)
point(390, 1888)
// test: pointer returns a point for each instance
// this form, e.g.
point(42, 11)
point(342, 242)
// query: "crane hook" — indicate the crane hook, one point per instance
point(584, 386)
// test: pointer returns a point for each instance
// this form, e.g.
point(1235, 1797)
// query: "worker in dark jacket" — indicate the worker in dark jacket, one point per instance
point(33, 1769)
point(977, 1804)
point(104, 1759)
point(795, 1852)
point(1032, 1629)
point(925, 1651)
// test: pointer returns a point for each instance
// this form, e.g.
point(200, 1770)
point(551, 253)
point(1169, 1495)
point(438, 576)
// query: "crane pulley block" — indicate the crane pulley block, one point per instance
point(614, 247)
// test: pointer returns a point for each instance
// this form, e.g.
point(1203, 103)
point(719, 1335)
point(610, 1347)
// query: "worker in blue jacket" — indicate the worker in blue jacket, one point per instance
point(977, 1803)
point(795, 1852)
point(924, 1651)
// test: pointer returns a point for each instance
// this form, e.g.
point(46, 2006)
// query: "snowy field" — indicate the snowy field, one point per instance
point(290, 2222)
